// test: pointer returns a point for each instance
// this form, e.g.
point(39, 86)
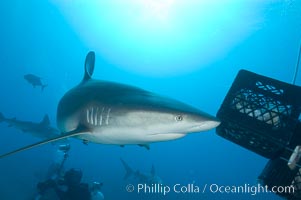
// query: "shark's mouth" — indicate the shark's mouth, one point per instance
point(205, 126)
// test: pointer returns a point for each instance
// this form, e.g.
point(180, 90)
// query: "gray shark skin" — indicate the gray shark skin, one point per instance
point(41, 130)
point(113, 113)
point(34, 81)
point(147, 178)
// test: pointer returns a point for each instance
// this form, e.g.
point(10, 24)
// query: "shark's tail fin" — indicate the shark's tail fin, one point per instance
point(43, 86)
point(129, 172)
point(2, 118)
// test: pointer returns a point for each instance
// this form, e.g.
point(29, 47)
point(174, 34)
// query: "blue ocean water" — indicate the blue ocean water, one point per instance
point(187, 50)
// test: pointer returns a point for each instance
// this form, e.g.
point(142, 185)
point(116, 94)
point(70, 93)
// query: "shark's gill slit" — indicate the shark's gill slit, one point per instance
point(96, 117)
point(108, 116)
point(88, 115)
point(92, 116)
point(100, 121)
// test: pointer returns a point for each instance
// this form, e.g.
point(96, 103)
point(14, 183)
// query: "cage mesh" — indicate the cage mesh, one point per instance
point(260, 107)
point(261, 114)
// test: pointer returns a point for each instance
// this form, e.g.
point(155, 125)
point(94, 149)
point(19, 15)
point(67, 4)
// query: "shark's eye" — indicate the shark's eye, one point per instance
point(179, 118)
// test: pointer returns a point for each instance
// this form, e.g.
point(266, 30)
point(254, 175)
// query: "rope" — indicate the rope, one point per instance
point(297, 65)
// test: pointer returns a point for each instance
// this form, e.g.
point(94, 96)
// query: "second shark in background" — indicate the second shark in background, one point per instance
point(41, 129)
point(147, 178)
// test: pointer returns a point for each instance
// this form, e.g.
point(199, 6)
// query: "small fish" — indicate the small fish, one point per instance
point(34, 81)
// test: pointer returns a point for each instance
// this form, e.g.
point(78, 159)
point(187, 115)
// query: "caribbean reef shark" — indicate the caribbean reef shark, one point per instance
point(148, 178)
point(113, 113)
point(41, 129)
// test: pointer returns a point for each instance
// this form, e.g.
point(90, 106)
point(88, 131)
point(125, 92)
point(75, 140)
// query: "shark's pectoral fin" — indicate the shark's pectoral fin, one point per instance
point(144, 145)
point(73, 133)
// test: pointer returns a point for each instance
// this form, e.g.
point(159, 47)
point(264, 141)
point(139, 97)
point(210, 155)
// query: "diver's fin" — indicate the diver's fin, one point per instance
point(89, 65)
point(45, 121)
point(144, 145)
point(73, 133)
point(128, 169)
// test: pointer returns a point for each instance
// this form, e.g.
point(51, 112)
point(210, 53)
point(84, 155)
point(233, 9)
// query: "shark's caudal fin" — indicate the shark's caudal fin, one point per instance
point(73, 133)
point(45, 121)
point(89, 65)
point(128, 169)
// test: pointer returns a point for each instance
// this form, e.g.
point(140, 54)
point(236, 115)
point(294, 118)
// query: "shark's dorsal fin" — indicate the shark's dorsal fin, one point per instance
point(73, 133)
point(45, 121)
point(89, 65)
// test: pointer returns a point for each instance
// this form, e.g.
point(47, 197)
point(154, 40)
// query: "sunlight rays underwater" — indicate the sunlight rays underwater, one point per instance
point(162, 37)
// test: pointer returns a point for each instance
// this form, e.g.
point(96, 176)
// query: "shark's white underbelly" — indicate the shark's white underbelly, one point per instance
point(123, 137)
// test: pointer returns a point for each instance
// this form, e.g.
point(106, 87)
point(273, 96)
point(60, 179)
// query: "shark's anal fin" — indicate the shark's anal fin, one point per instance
point(73, 133)
point(145, 146)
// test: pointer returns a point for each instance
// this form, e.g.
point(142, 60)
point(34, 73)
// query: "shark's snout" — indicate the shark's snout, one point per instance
point(205, 126)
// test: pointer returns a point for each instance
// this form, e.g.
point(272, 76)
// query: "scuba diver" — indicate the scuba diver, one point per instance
point(68, 185)
point(71, 187)
point(67, 188)
point(46, 189)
